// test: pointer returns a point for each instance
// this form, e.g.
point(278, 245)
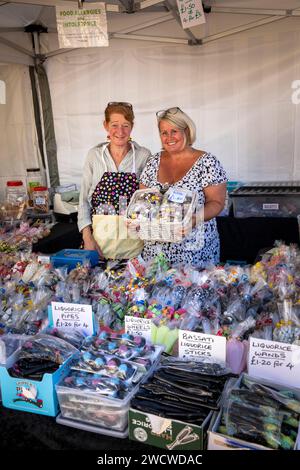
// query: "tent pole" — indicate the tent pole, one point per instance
point(46, 115)
point(37, 85)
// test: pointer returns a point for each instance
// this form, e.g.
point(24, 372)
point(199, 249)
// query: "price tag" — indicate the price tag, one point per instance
point(177, 196)
point(199, 346)
point(67, 315)
point(275, 361)
point(138, 326)
point(43, 259)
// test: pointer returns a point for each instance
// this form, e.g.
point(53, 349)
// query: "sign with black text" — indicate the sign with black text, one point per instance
point(274, 361)
point(191, 13)
point(138, 326)
point(199, 346)
point(67, 315)
point(82, 27)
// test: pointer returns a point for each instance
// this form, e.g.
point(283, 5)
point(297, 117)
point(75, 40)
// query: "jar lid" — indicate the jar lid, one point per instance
point(14, 183)
point(33, 169)
point(40, 188)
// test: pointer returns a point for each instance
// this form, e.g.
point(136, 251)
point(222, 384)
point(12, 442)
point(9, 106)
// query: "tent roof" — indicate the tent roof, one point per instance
point(153, 20)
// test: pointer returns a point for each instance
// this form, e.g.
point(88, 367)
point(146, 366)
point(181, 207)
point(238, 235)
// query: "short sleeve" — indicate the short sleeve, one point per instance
point(212, 172)
point(149, 175)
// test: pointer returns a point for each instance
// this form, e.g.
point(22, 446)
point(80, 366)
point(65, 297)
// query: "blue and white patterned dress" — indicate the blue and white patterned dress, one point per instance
point(202, 246)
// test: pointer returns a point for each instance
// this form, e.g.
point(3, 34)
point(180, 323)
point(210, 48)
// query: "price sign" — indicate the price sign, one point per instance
point(177, 196)
point(67, 315)
point(275, 361)
point(138, 326)
point(199, 346)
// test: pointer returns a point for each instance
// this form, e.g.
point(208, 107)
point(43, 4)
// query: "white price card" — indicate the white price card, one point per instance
point(138, 326)
point(43, 259)
point(275, 361)
point(199, 346)
point(191, 13)
point(67, 315)
point(177, 196)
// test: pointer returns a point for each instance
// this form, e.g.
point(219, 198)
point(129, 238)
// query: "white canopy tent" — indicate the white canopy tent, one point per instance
point(233, 75)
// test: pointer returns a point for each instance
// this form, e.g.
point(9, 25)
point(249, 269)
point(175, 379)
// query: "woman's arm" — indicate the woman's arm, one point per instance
point(214, 200)
point(89, 243)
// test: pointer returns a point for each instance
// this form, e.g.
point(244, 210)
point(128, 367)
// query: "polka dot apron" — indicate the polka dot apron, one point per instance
point(109, 200)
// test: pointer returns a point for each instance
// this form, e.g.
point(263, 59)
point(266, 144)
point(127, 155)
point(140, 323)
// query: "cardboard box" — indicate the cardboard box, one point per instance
point(167, 433)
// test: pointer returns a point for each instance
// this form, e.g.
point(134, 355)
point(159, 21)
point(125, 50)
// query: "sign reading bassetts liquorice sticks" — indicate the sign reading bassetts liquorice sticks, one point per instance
point(199, 346)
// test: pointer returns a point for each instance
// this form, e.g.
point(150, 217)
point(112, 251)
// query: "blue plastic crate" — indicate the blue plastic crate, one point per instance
point(72, 257)
point(32, 395)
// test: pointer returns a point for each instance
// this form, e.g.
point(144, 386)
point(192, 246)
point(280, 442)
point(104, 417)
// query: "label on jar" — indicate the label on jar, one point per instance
point(33, 184)
point(39, 200)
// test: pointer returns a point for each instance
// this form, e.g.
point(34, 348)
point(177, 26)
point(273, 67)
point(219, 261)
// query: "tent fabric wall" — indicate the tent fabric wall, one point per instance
point(18, 139)
point(238, 91)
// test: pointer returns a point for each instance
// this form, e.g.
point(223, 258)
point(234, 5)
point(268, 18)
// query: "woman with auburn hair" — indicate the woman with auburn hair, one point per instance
point(110, 174)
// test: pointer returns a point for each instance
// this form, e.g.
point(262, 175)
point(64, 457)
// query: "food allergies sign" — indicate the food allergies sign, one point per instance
point(84, 27)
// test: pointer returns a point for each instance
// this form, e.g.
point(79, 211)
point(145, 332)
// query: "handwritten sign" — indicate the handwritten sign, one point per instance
point(274, 361)
point(138, 326)
point(67, 315)
point(191, 13)
point(199, 346)
point(85, 27)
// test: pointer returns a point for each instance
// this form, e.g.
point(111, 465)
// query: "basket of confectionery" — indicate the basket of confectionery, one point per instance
point(161, 217)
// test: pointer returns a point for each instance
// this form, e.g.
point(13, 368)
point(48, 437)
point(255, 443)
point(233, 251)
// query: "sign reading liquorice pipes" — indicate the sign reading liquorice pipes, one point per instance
point(82, 27)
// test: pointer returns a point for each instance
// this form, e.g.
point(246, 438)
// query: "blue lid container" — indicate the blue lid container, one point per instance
point(71, 258)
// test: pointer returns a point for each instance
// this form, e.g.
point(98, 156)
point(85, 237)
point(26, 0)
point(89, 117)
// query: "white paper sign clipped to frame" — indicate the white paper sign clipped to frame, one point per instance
point(275, 361)
point(191, 13)
point(82, 27)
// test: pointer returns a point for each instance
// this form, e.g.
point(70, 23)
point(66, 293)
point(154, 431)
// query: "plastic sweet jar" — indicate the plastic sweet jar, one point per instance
point(15, 192)
point(16, 198)
point(40, 199)
point(33, 180)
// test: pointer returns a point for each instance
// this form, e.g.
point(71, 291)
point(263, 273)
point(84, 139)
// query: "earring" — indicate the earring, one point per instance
point(130, 139)
point(108, 137)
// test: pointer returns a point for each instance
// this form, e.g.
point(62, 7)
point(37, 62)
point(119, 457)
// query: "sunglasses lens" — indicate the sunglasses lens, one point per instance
point(164, 112)
point(120, 103)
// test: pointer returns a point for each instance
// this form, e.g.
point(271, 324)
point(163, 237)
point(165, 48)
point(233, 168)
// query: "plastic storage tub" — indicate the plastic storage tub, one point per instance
point(267, 199)
point(73, 257)
point(90, 408)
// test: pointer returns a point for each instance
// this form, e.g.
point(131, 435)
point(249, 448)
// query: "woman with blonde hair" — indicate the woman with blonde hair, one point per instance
point(180, 165)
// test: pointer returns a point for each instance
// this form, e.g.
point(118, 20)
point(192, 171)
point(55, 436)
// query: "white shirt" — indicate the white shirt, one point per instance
point(94, 168)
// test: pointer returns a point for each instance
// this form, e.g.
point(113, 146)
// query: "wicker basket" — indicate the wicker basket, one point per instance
point(160, 229)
